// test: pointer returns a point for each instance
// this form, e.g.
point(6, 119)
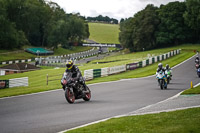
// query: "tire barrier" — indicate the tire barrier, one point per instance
point(94, 73)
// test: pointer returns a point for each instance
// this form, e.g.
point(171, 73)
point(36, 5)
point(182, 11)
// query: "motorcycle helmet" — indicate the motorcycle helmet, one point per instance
point(160, 65)
point(69, 64)
point(167, 66)
point(197, 57)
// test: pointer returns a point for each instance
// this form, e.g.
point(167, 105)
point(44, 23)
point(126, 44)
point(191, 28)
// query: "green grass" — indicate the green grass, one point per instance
point(182, 121)
point(104, 33)
point(16, 56)
point(190, 91)
point(77, 49)
point(12, 55)
point(37, 79)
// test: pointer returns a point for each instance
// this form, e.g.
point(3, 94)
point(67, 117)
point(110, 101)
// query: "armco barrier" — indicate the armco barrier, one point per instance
point(150, 61)
point(18, 82)
point(96, 73)
point(140, 64)
point(90, 74)
point(153, 60)
point(14, 82)
point(104, 71)
point(160, 57)
point(116, 69)
point(143, 63)
point(4, 84)
point(131, 66)
point(147, 62)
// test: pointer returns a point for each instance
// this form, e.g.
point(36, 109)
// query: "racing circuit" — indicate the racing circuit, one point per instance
point(49, 112)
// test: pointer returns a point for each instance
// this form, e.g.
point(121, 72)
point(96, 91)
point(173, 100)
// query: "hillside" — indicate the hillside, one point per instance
point(104, 33)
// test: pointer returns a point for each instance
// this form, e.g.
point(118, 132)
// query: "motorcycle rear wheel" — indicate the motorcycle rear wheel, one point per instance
point(69, 95)
point(168, 80)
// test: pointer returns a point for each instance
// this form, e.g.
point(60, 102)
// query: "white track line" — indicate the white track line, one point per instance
point(168, 110)
point(30, 94)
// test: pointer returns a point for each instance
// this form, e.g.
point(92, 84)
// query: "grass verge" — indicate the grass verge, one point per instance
point(191, 91)
point(182, 121)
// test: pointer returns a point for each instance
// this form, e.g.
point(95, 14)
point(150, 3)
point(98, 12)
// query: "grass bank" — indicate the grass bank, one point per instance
point(37, 79)
point(195, 90)
point(104, 33)
point(183, 121)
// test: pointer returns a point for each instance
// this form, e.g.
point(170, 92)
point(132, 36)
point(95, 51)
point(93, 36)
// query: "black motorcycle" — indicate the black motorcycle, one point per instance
point(73, 89)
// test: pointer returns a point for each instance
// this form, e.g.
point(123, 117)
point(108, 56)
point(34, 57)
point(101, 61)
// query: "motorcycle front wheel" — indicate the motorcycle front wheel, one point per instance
point(87, 95)
point(161, 84)
point(69, 95)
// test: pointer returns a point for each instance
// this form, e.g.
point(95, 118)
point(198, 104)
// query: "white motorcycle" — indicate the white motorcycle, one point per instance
point(161, 79)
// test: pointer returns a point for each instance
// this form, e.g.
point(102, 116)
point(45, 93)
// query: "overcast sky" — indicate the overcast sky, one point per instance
point(113, 8)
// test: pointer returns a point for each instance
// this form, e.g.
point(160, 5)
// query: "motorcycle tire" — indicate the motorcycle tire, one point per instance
point(69, 95)
point(165, 86)
point(161, 84)
point(87, 95)
point(168, 80)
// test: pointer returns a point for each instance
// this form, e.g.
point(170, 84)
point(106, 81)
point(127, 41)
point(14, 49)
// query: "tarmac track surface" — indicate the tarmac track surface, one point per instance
point(49, 112)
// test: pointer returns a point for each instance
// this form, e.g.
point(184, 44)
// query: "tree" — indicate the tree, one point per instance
point(101, 18)
point(146, 26)
point(40, 23)
point(10, 37)
point(192, 16)
point(122, 20)
point(139, 32)
point(126, 34)
point(172, 29)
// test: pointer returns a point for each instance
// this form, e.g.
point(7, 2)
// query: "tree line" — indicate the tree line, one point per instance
point(39, 23)
point(101, 18)
point(168, 25)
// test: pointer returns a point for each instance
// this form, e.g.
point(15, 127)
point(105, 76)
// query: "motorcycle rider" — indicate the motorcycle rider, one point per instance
point(197, 59)
point(160, 68)
point(76, 74)
point(197, 62)
point(167, 68)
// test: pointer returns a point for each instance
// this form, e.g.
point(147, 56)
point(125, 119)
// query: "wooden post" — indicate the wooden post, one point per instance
point(47, 79)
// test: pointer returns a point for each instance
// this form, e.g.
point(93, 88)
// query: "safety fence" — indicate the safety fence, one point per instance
point(16, 82)
point(94, 73)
